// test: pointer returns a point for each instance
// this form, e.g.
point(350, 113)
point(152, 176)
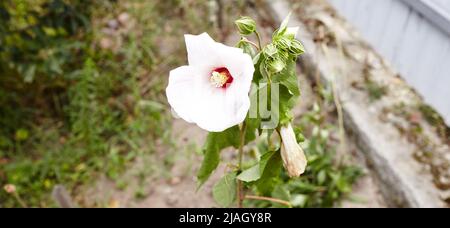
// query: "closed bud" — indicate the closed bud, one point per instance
point(270, 51)
point(284, 43)
point(294, 159)
point(296, 48)
point(276, 65)
point(246, 26)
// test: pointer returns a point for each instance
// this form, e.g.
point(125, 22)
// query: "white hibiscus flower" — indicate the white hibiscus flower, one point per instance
point(213, 90)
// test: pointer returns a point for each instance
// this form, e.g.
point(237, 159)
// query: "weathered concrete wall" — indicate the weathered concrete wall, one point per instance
point(402, 179)
point(413, 41)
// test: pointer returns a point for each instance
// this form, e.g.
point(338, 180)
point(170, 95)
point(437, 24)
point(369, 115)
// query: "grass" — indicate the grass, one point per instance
point(110, 112)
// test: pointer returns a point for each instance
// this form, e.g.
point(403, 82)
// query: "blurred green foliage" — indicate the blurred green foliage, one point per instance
point(39, 36)
point(70, 109)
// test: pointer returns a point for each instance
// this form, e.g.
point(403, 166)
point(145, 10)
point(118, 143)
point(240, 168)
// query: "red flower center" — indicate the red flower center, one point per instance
point(221, 77)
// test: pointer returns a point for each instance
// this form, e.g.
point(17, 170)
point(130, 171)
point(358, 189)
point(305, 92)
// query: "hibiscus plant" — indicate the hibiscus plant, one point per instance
point(243, 96)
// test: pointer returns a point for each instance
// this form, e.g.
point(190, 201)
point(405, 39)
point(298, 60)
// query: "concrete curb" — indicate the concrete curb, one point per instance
point(403, 181)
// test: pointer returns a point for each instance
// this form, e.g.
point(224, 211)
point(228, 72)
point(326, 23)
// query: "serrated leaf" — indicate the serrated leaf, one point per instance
point(224, 191)
point(215, 143)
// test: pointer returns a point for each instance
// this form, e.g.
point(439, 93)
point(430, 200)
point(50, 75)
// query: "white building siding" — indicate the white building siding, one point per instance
point(417, 46)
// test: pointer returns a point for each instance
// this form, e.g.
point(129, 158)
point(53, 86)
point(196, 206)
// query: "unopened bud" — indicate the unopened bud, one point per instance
point(284, 43)
point(294, 159)
point(246, 26)
point(296, 48)
point(276, 65)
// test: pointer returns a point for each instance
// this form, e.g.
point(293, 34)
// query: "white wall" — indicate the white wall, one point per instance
point(417, 48)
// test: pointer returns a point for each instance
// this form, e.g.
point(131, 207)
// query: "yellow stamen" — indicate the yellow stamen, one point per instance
point(218, 79)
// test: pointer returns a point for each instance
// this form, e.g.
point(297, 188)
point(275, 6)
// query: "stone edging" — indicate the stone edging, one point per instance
point(403, 180)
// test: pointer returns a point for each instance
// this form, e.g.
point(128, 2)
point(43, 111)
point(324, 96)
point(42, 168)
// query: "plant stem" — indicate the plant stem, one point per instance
point(240, 189)
point(253, 44)
point(283, 202)
point(22, 204)
point(259, 40)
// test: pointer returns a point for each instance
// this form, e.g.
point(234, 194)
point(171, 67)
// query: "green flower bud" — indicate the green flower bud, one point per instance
point(296, 48)
point(284, 43)
point(276, 65)
point(246, 25)
point(270, 51)
point(283, 55)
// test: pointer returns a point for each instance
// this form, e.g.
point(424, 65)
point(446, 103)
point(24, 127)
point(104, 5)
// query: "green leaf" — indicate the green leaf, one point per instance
point(216, 142)
point(284, 25)
point(22, 135)
point(255, 172)
point(271, 165)
point(289, 91)
point(252, 126)
point(299, 200)
point(250, 175)
point(29, 73)
point(265, 158)
point(288, 78)
point(247, 48)
point(281, 192)
point(260, 72)
point(321, 177)
point(224, 191)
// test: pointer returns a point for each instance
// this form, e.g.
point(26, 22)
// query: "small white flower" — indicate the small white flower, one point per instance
point(213, 91)
point(294, 159)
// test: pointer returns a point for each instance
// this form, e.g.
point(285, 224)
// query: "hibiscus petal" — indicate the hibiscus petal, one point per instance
point(196, 100)
point(200, 49)
point(219, 110)
point(181, 91)
point(241, 68)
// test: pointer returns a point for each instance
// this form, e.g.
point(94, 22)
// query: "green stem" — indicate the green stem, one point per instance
point(263, 198)
point(240, 189)
point(22, 204)
point(259, 39)
point(253, 44)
